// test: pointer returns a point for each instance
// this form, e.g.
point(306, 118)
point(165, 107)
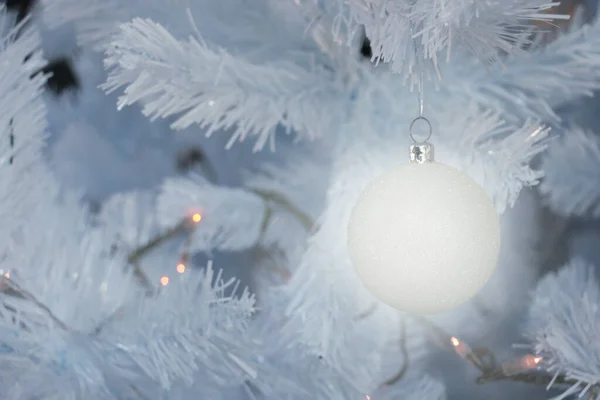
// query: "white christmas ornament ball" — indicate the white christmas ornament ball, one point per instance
point(424, 238)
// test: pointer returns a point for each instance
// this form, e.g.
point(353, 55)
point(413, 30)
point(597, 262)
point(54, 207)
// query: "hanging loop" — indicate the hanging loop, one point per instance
point(410, 129)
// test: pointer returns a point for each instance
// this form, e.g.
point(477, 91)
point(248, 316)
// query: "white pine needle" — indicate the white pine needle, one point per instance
point(232, 219)
point(572, 167)
point(564, 319)
point(200, 84)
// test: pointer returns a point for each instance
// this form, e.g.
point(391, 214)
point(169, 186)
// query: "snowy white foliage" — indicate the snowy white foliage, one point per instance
point(564, 322)
point(96, 21)
point(129, 151)
point(306, 190)
point(572, 182)
point(232, 219)
point(408, 33)
point(319, 377)
point(155, 78)
point(115, 332)
point(254, 70)
point(498, 152)
point(534, 84)
point(296, 200)
point(193, 325)
point(204, 84)
point(129, 218)
point(22, 123)
point(53, 352)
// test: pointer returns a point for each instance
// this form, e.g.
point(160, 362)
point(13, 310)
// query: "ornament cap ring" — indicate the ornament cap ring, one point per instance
point(410, 129)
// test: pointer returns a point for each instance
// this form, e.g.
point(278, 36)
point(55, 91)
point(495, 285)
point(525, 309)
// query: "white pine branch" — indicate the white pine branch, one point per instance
point(23, 112)
point(58, 286)
point(200, 84)
point(22, 124)
point(75, 324)
point(195, 325)
point(231, 22)
point(130, 219)
point(572, 167)
point(407, 33)
point(535, 84)
point(496, 153)
point(304, 195)
point(564, 324)
point(493, 148)
point(232, 219)
point(20, 58)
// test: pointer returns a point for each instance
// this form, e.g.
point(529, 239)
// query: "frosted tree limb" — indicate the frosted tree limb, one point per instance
point(11, 288)
point(129, 216)
point(180, 341)
point(224, 210)
point(192, 326)
point(202, 84)
point(22, 124)
point(533, 85)
point(437, 28)
point(572, 174)
point(54, 260)
point(294, 200)
point(497, 152)
point(563, 322)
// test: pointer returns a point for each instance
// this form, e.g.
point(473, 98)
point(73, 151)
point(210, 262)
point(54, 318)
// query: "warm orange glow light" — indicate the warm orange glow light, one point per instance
point(181, 268)
point(196, 218)
point(455, 341)
point(368, 397)
point(164, 280)
point(526, 363)
point(7, 275)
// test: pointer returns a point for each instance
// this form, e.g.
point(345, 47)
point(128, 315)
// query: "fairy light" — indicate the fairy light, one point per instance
point(164, 280)
point(196, 217)
point(464, 351)
point(181, 268)
point(3, 282)
point(459, 347)
point(519, 365)
point(368, 397)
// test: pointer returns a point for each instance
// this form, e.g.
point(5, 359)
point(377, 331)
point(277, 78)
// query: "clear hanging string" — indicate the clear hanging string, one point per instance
point(420, 151)
point(420, 94)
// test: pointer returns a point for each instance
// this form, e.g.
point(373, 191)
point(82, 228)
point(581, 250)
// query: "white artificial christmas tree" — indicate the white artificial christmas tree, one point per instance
point(124, 277)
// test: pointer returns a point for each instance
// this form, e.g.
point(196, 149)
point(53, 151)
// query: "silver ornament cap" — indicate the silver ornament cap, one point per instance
point(421, 153)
